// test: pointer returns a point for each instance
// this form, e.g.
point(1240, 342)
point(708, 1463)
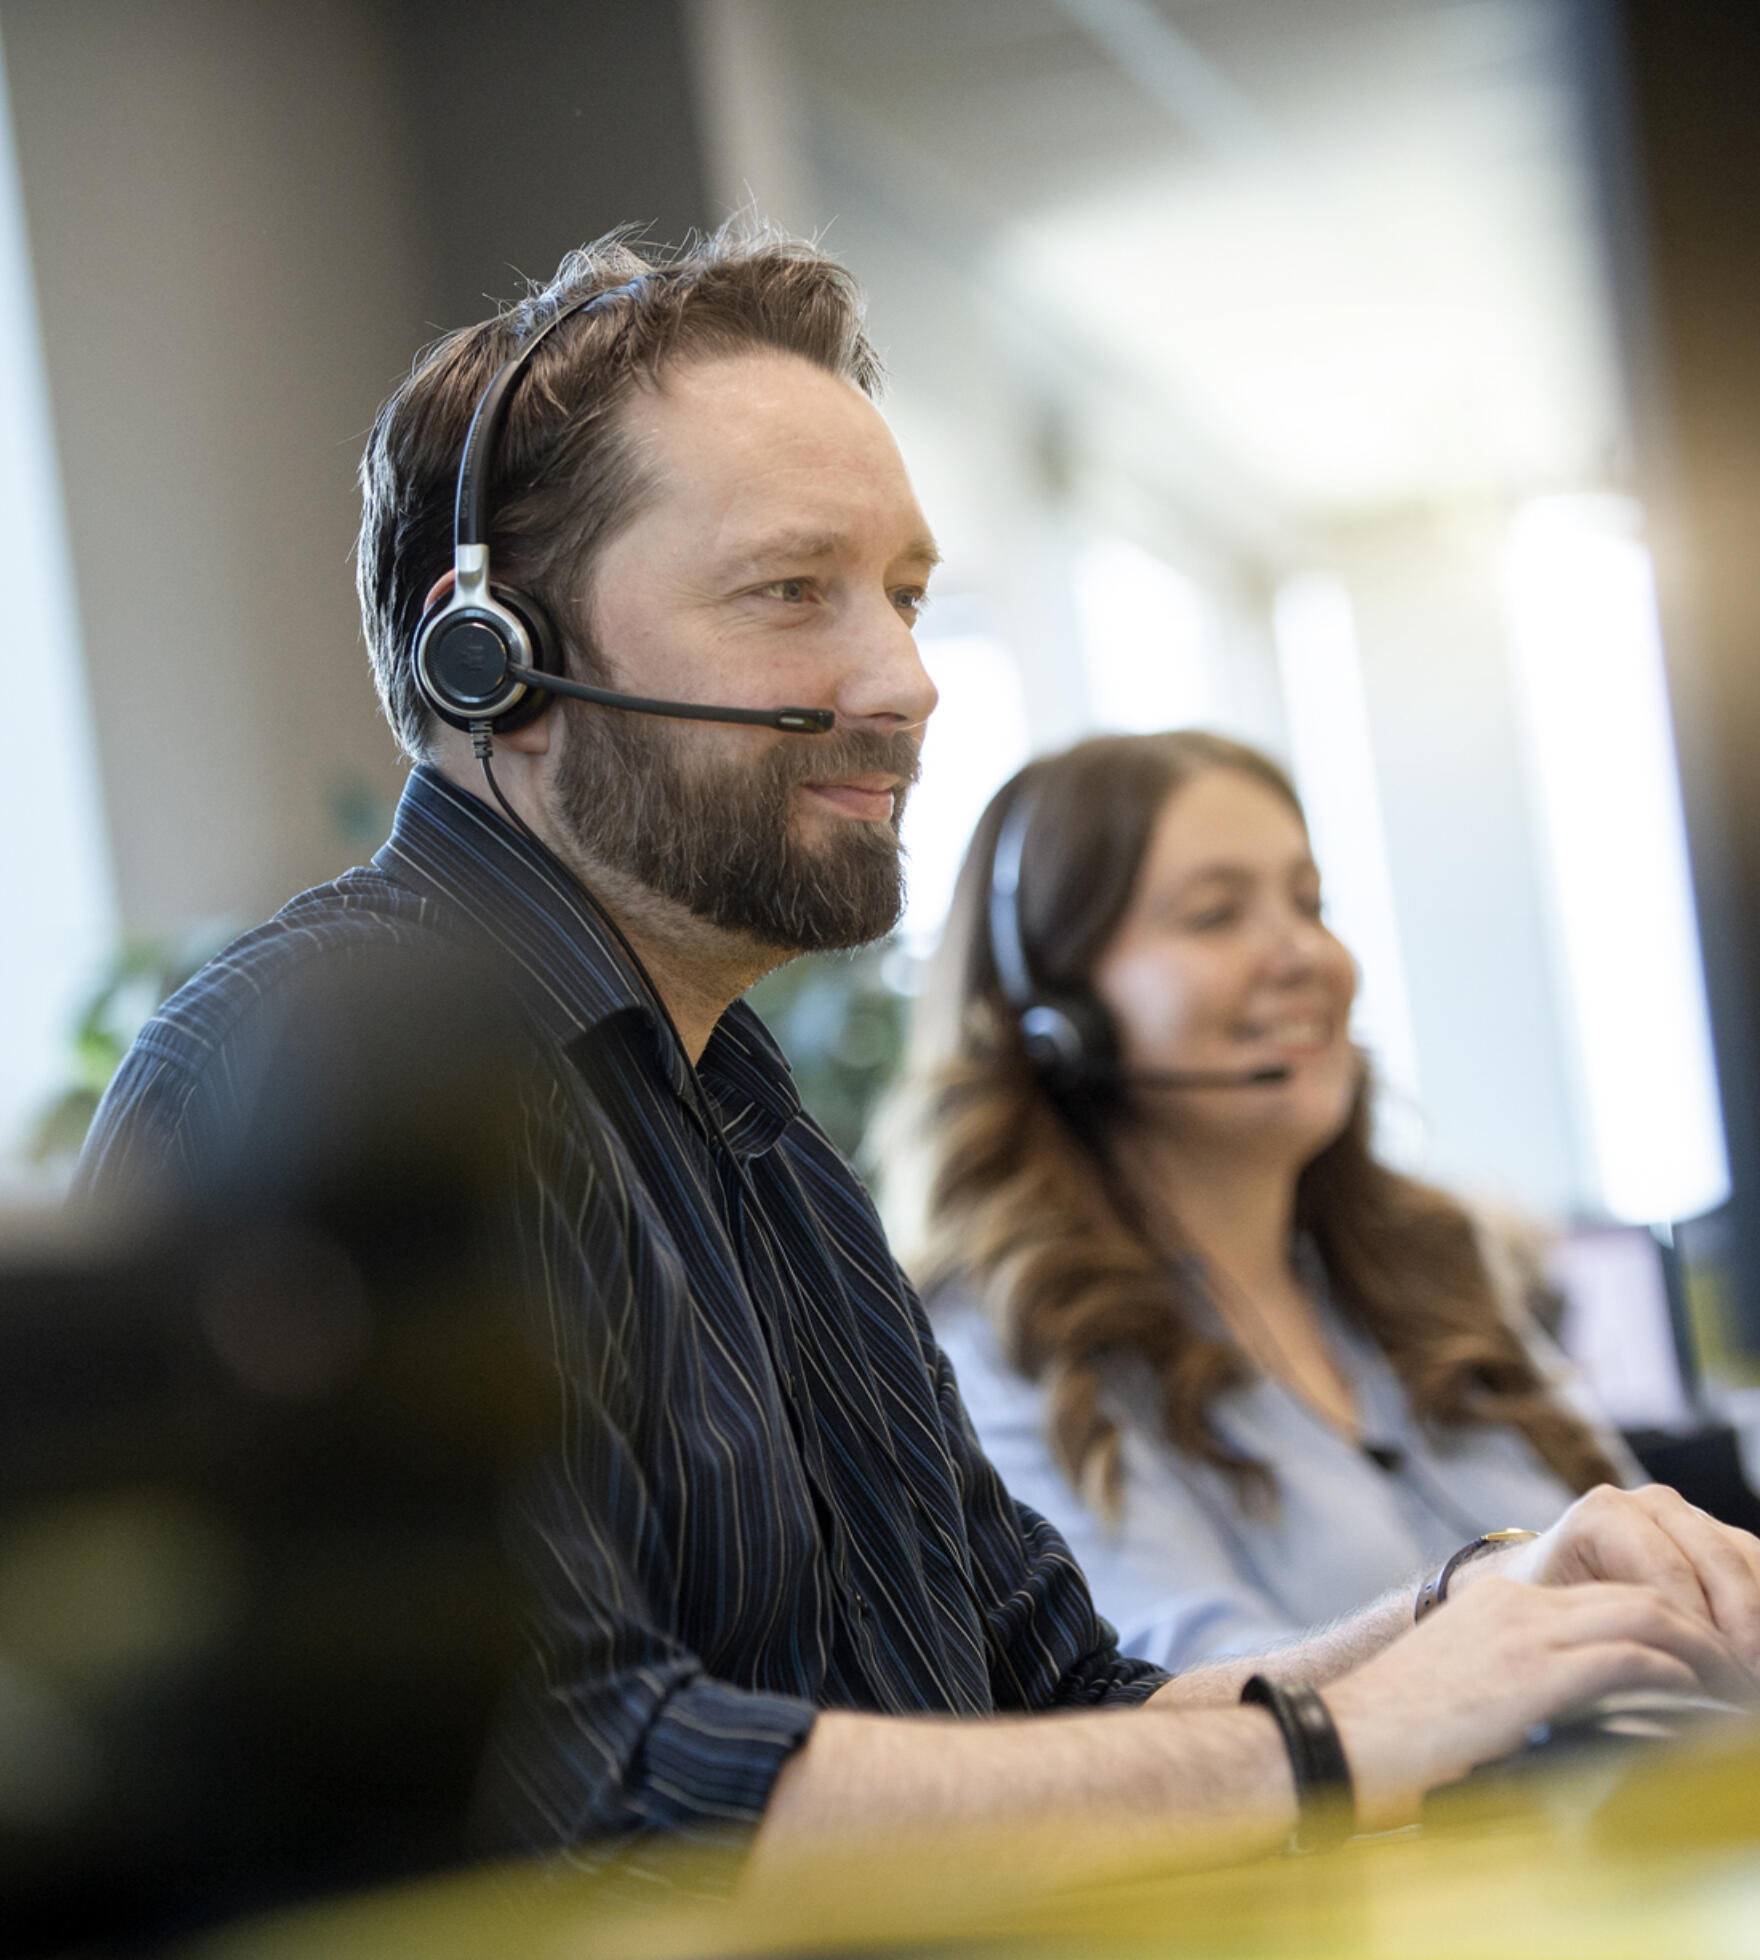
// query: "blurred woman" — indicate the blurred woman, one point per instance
point(1253, 1375)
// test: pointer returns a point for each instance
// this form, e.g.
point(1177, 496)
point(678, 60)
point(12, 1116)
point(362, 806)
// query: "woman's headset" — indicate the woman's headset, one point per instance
point(1069, 1039)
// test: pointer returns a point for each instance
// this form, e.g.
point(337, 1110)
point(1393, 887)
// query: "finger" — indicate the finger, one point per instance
point(1609, 1666)
point(1621, 1538)
point(1726, 1564)
point(1596, 1615)
point(1748, 1545)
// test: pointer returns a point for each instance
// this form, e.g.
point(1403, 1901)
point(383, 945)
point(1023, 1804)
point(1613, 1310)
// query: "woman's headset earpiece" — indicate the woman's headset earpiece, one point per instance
point(1069, 1039)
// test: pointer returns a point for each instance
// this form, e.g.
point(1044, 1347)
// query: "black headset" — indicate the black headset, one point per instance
point(1070, 1040)
point(484, 656)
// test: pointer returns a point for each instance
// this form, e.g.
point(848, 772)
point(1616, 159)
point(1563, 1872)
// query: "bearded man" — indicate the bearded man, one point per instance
point(781, 1593)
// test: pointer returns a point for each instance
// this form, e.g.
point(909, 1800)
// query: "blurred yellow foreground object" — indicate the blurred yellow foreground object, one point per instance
point(1615, 1856)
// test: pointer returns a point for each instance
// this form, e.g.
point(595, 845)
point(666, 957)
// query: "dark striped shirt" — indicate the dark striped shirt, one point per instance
point(772, 1501)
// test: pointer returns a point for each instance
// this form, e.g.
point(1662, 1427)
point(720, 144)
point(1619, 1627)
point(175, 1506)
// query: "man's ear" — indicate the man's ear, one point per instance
point(534, 737)
point(438, 590)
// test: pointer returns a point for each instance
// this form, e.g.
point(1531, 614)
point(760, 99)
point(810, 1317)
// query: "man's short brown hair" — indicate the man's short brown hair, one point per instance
point(566, 479)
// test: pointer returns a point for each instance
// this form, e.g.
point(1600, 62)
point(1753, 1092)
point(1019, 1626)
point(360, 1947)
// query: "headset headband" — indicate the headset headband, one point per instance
point(470, 510)
point(1007, 947)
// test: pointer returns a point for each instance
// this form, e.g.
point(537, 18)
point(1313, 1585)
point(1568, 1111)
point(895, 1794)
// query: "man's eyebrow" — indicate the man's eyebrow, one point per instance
point(805, 547)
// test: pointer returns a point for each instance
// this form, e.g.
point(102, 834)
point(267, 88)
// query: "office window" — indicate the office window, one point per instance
point(1148, 640)
point(57, 912)
point(1334, 768)
point(1588, 657)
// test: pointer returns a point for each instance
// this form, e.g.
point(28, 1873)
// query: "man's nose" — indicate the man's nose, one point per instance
point(882, 677)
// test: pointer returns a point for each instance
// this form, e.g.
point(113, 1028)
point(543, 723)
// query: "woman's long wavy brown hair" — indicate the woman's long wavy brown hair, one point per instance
point(1021, 1205)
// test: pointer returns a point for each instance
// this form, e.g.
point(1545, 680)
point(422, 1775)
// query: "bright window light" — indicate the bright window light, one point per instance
point(1334, 769)
point(1147, 640)
point(976, 739)
point(55, 891)
point(1588, 656)
point(1616, 1326)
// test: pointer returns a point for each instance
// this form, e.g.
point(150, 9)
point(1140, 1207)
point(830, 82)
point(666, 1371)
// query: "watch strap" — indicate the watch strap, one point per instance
point(1434, 1589)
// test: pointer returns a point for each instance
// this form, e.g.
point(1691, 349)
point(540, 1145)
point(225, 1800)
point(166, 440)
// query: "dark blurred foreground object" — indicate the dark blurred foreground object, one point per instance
point(255, 1455)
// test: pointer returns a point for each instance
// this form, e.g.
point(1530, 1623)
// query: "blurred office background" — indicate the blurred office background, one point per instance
point(1334, 373)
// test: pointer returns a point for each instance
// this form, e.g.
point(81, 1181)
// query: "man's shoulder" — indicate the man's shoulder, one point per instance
point(358, 918)
point(363, 935)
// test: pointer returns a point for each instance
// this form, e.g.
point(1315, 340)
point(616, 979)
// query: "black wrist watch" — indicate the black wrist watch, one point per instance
point(1326, 1803)
point(1434, 1590)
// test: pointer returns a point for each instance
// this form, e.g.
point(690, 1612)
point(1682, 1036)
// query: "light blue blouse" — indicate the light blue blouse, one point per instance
point(1187, 1574)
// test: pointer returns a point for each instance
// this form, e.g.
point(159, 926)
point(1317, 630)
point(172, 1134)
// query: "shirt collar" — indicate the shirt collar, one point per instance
point(572, 973)
point(749, 1081)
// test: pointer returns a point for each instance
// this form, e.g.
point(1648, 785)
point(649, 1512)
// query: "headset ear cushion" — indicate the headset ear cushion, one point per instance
point(1071, 1042)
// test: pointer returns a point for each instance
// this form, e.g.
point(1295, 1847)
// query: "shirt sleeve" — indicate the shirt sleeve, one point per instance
point(1048, 1647)
point(621, 1734)
point(1163, 1571)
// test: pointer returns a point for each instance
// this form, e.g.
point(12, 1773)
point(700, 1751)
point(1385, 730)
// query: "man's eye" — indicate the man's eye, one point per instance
point(1212, 920)
point(790, 590)
point(911, 601)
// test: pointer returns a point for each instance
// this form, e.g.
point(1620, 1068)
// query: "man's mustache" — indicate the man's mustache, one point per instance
point(848, 752)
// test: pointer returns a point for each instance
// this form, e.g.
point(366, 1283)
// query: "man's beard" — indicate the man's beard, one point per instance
point(716, 835)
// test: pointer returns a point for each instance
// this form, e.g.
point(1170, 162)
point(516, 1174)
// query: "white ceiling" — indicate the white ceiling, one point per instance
point(1350, 241)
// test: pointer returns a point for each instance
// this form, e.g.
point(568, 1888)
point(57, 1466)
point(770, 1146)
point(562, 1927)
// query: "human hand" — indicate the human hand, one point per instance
point(1650, 1537)
point(1466, 1685)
